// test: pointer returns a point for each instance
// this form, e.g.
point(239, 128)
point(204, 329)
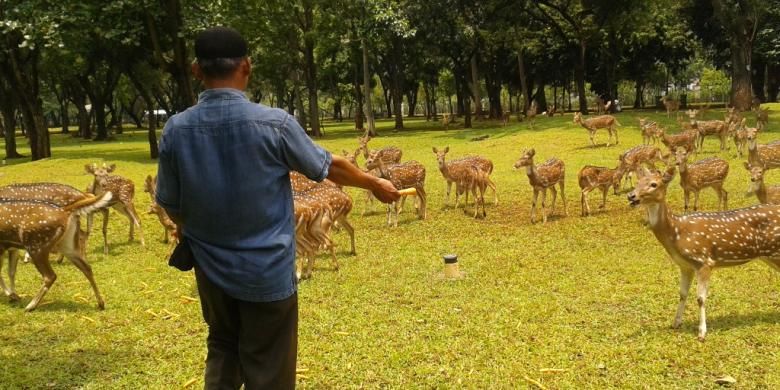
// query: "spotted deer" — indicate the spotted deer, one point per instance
point(389, 154)
point(738, 132)
point(762, 118)
point(767, 155)
point(709, 172)
point(40, 228)
point(455, 170)
point(169, 227)
point(320, 208)
point(649, 130)
point(505, 118)
point(599, 122)
point(765, 195)
point(671, 106)
point(686, 140)
point(123, 190)
point(592, 177)
point(717, 128)
point(699, 243)
point(478, 181)
point(57, 194)
point(634, 158)
point(542, 178)
point(410, 174)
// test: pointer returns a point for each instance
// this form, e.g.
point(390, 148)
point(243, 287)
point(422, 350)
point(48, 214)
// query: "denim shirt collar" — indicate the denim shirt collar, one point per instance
point(221, 93)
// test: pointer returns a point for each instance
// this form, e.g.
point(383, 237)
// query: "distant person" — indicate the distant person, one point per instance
point(223, 177)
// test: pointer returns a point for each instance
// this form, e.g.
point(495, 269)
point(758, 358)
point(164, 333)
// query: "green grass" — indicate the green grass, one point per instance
point(592, 296)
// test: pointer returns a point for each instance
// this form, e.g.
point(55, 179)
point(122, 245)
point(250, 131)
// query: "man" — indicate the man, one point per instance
point(223, 177)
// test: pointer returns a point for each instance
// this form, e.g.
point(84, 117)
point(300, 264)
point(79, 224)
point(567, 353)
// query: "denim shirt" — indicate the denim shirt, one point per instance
point(224, 171)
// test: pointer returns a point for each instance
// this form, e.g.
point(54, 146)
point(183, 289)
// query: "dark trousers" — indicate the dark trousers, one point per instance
point(250, 343)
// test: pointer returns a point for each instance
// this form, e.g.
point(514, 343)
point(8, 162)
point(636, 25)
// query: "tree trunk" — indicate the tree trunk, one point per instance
point(541, 98)
point(359, 103)
point(523, 81)
point(369, 110)
point(579, 76)
point(639, 94)
point(398, 96)
point(99, 108)
point(146, 96)
point(311, 70)
point(9, 125)
point(475, 86)
point(741, 95)
point(64, 118)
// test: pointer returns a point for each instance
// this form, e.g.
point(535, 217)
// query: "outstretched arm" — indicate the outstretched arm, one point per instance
point(343, 172)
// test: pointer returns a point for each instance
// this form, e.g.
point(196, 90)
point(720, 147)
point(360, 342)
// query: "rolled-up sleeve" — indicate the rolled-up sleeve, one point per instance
point(168, 187)
point(301, 154)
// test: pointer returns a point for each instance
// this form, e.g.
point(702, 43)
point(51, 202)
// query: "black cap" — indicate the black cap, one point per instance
point(220, 42)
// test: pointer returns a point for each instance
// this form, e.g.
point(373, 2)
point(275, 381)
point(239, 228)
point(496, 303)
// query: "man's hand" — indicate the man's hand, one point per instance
point(385, 191)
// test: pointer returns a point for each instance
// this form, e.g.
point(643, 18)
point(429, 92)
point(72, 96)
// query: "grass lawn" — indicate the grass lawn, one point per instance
point(592, 298)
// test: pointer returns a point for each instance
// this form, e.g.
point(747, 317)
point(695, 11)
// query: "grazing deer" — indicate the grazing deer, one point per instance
point(169, 227)
point(649, 130)
point(542, 177)
point(40, 228)
point(765, 195)
point(591, 177)
point(633, 159)
point(57, 194)
point(702, 242)
point(123, 190)
point(671, 105)
point(762, 118)
point(410, 174)
point(311, 232)
point(455, 170)
point(686, 140)
point(710, 172)
point(599, 122)
point(767, 155)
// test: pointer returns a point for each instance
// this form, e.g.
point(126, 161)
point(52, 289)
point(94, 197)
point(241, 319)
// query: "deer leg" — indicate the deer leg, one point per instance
point(12, 261)
point(686, 277)
point(105, 230)
point(703, 281)
point(389, 222)
point(447, 196)
point(423, 211)
point(87, 271)
point(493, 187)
point(563, 199)
point(687, 196)
point(616, 136)
point(41, 262)
point(554, 197)
point(584, 203)
point(604, 197)
point(592, 135)
point(403, 202)
point(533, 206)
point(350, 230)
point(135, 222)
point(544, 205)
point(725, 198)
point(696, 200)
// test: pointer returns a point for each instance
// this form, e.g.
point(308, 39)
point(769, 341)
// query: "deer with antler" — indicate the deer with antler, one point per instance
point(702, 242)
point(459, 169)
point(767, 155)
point(123, 190)
point(592, 177)
point(410, 174)
point(599, 122)
point(40, 228)
point(543, 177)
point(765, 195)
point(709, 172)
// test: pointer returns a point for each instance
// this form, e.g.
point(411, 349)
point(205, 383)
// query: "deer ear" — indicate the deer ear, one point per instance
point(90, 168)
point(531, 152)
point(111, 168)
point(669, 175)
point(446, 149)
point(747, 165)
point(344, 152)
point(435, 150)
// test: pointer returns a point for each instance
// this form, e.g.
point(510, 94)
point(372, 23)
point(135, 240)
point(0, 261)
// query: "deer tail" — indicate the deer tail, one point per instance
point(90, 204)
